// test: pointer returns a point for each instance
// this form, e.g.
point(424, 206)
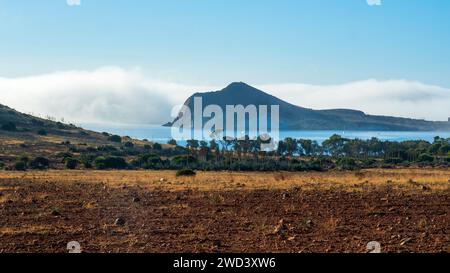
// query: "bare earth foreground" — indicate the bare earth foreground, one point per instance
point(406, 210)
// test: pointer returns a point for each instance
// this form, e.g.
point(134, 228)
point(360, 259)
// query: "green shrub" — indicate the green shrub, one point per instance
point(186, 172)
point(24, 158)
point(71, 163)
point(9, 126)
point(115, 138)
point(149, 161)
point(147, 147)
point(110, 162)
point(393, 160)
point(347, 163)
point(87, 160)
point(42, 132)
point(39, 163)
point(128, 144)
point(183, 160)
point(20, 166)
point(172, 142)
point(425, 158)
point(64, 155)
point(157, 147)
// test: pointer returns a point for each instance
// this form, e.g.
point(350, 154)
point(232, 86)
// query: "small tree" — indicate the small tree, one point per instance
point(71, 163)
point(39, 163)
point(128, 144)
point(172, 142)
point(20, 166)
point(425, 158)
point(157, 147)
point(9, 126)
point(115, 138)
point(42, 132)
point(185, 172)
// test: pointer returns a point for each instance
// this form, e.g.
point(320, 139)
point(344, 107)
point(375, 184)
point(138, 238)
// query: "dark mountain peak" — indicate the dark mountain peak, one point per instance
point(240, 87)
point(293, 117)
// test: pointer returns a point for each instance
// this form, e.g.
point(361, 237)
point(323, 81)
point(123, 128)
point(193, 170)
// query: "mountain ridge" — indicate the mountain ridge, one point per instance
point(293, 117)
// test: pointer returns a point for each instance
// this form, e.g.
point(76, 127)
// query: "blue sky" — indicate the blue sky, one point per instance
point(215, 42)
point(107, 55)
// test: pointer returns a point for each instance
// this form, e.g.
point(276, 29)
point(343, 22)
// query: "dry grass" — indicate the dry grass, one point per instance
point(429, 179)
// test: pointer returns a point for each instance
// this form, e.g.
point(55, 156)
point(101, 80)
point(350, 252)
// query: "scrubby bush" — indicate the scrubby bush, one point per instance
point(186, 172)
point(183, 160)
point(9, 126)
point(87, 160)
point(149, 161)
point(110, 162)
point(115, 138)
point(106, 148)
point(157, 147)
point(71, 163)
point(172, 142)
point(347, 163)
point(425, 158)
point(60, 125)
point(39, 163)
point(147, 147)
point(393, 160)
point(20, 166)
point(42, 132)
point(128, 144)
point(24, 158)
point(64, 155)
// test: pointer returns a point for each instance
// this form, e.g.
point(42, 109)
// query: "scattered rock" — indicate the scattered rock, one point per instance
point(162, 180)
point(119, 222)
point(55, 213)
point(136, 200)
point(426, 188)
point(217, 243)
point(280, 229)
point(405, 241)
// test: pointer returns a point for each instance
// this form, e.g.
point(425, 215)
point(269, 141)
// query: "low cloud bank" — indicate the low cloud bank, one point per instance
point(117, 95)
point(392, 98)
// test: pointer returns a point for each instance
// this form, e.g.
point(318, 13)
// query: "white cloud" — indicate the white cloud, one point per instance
point(108, 94)
point(73, 2)
point(394, 97)
point(374, 2)
point(117, 95)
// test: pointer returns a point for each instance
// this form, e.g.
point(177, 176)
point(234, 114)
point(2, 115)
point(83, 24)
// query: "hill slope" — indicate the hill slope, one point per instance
point(293, 117)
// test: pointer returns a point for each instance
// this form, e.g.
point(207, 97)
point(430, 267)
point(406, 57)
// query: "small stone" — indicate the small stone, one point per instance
point(136, 200)
point(55, 213)
point(280, 228)
point(405, 241)
point(119, 222)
